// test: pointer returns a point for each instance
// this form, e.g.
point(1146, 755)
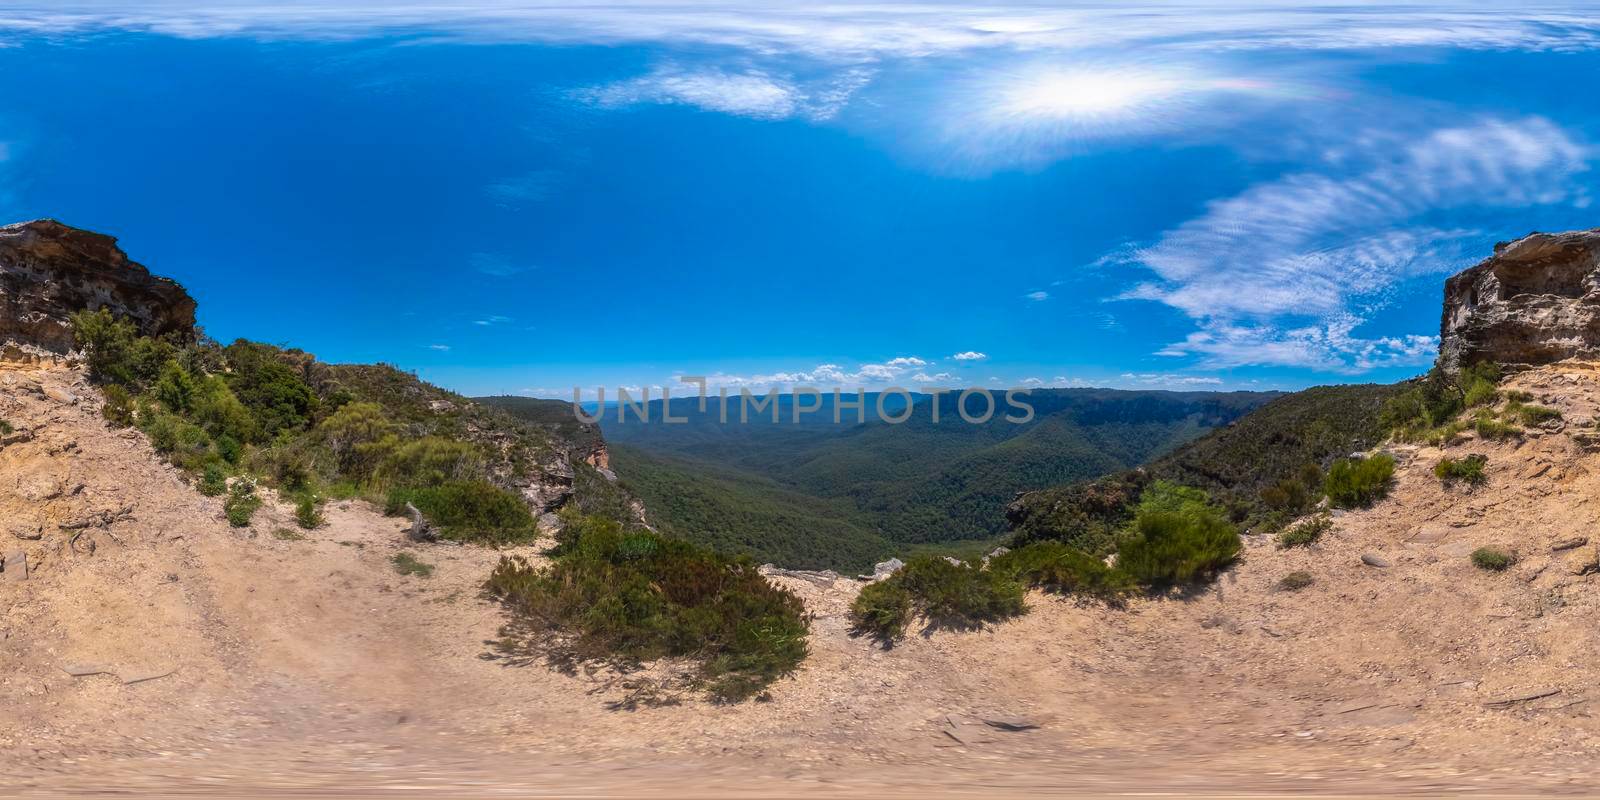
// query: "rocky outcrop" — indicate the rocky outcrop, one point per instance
point(49, 270)
point(1535, 301)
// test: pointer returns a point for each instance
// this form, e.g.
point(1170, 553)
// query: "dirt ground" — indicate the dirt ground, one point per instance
point(311, 667)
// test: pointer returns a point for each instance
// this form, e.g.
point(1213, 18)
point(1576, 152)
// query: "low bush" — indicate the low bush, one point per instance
point(1358, 483)
point(407, 564)
point(1468, 469)
point(1171, 548)
point(5, 428)
point(1530, 414)
point(241, 504)
point(959, 595)
point(119, 407)
point(1295, 581)
point(620, 597)
point(1492, 429)
point(1519, 396)
point(882, 610)
point(213, 482)
point(306, 513)
point(1306, 532)
point(1055, 567)
point(470, 511)
point(1437, 398)
point(1488, 558)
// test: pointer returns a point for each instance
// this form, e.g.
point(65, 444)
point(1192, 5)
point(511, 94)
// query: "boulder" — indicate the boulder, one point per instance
point(884, 569)
point(49, 270)
point(1535, 301)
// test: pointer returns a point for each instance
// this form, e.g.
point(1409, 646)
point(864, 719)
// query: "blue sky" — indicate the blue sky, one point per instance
point(520, 198)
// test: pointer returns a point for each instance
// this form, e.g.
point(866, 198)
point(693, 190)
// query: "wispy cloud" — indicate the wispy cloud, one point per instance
point(970, 355)
point(443, 348)
point(1286, 271)
point(492, 319)
point(748, 93)
point(1169, 379)
point(855, 30)
point(1037, 297)
point(496, 266)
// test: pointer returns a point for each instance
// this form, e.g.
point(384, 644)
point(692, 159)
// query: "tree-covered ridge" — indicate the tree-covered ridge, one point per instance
point(919, 481)
point(1264, 468)
point(260, 414)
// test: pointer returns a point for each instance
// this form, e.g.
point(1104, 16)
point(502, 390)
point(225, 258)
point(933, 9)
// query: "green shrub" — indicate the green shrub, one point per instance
point(621, 597)
point(1437, 398)
point(1306, 532)
point(427, 461)
point(1531, 415)
point(276, 395)
point(175, 388)
point(1293, 497)
point(469, 511)
point(213, 482)
point(5, 428)
point(306, 513)
point(959, 595)
point(1489, 558)
point(1519, 396)
point(241, 504)
point(119, 408)
point(1480, 393)
point(407, 564)
point(1171, 548)
point(114, 350)
point(882, 610)
point(1295, 581)
point(1357, 483)
point(1468, 469)
point(1493, 429)
point(1055, 567)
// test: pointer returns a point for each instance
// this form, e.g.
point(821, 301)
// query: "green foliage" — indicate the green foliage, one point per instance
point(1055, 567)
point(286, 535)
point(1170, 548)
point(1295, 581)
point(881, 610)
point(276, 395)
point(955, 595)
point(241, 504)
point(119, 407)
point(470, 511)
point(1488, 558)
point(1087, 516)
point(1360, 482)
point(407, 564)
point(1437, 398)
point(306, 513)
point(1519, 396)
point(1468, 469)
point(175, 388)
point(1294, 496)
point(1492, 429)
point(5, 428)
point(1530, 414)
point(114, 350)
point(427, 461)
point(359, 436)
point(621, 597)
point(1306, 532)
point(213, 482)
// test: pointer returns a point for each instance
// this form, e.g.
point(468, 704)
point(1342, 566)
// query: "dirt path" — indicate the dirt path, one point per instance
point(311, 666)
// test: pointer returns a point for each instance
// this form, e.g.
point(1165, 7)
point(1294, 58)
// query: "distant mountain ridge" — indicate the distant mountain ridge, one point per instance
point(878, 484)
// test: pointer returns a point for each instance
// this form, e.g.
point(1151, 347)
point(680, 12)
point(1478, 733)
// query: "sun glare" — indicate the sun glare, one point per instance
point(1086, 94)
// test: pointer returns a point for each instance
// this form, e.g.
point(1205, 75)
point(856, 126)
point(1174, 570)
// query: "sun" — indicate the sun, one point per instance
point(1086, 94)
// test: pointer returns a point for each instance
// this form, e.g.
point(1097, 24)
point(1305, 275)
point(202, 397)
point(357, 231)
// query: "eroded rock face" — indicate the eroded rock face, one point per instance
point(49, 270)
point(1535, 301)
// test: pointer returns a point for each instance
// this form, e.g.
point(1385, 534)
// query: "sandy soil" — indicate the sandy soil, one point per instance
point(311, 666)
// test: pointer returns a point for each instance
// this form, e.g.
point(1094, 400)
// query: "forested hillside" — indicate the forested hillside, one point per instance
point(823, 494)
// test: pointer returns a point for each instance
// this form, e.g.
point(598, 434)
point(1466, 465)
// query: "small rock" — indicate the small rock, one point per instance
point(28, 531)
point(85, 670)
point(16, 567)
point(60, 395)
point(1570, 543)
point(1374, 560)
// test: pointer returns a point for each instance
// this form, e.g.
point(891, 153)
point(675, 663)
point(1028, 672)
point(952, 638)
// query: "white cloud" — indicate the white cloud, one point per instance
point(1284, 272)
point(492, 319)
point(1169, 379)
point(970, 355)
point(942, 377)
point(747, 93)
point(496, 266)
point(1037, 296)
point(439, 347)
point(854, 31)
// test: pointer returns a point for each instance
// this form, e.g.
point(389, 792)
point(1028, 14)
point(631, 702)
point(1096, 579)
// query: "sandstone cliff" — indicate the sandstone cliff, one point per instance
point(49, 270)
point(1535, 301)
